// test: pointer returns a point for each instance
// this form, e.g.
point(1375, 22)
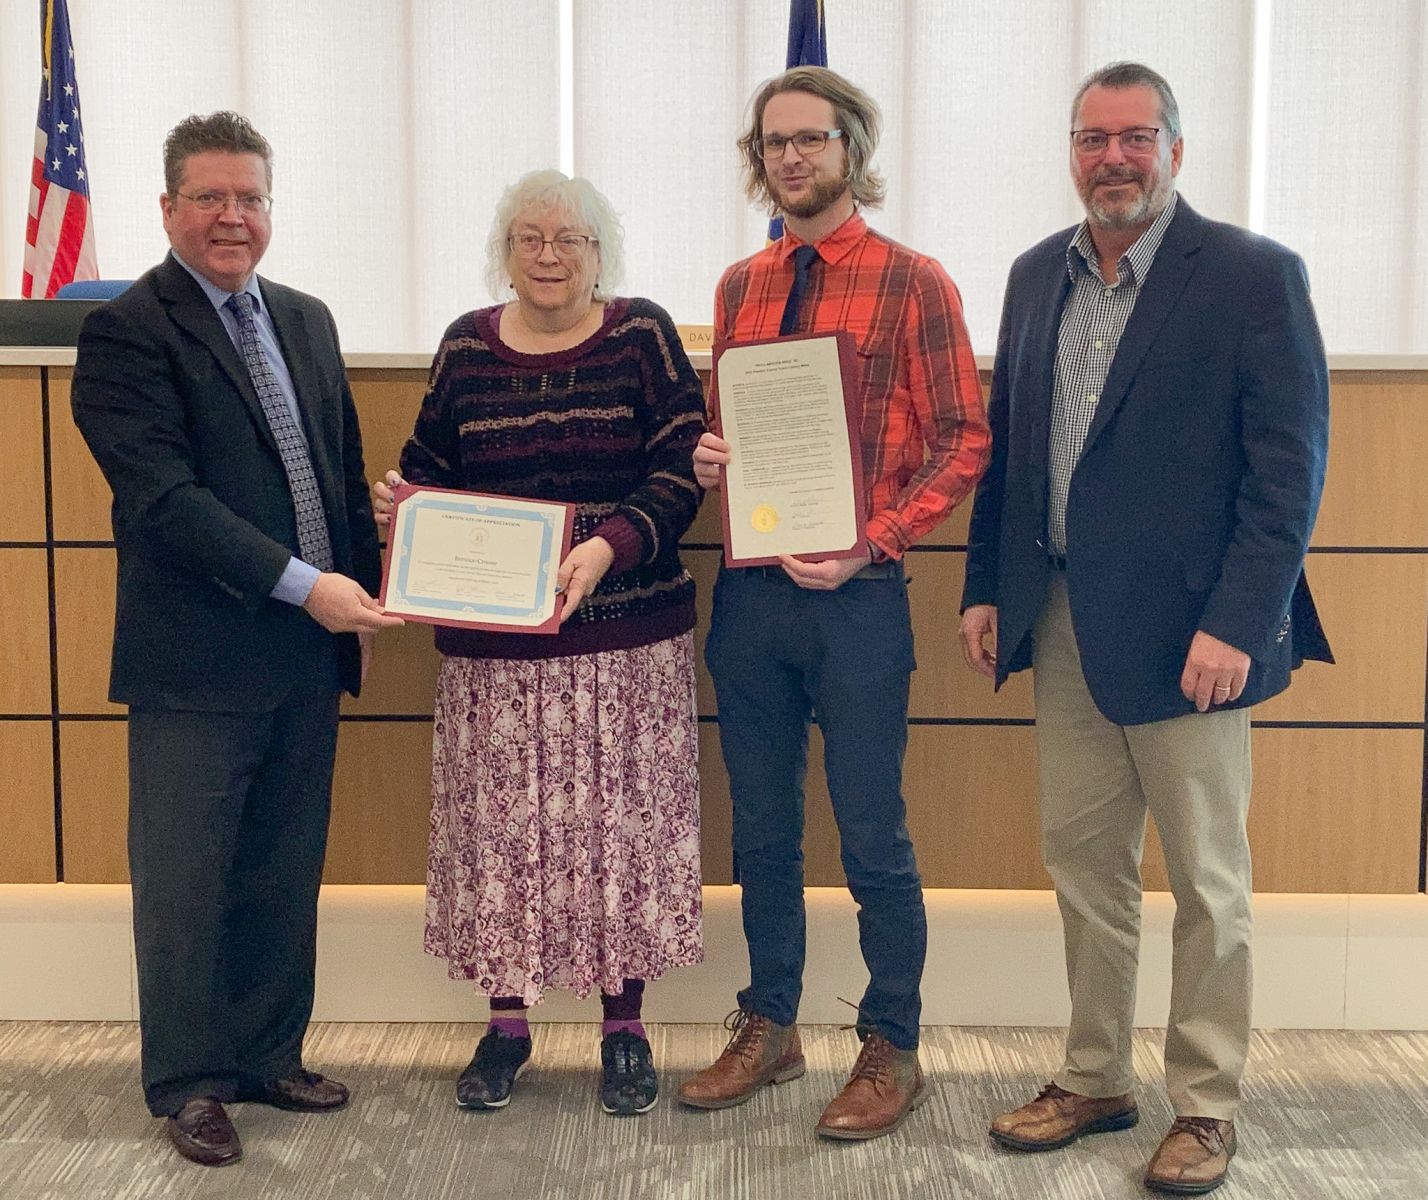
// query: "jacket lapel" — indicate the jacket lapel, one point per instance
point(192, 312)
point(291, 323)
point(1171, 270)
point(1042, 338)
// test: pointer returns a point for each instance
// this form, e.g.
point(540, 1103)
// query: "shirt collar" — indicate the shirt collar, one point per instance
point(833, 248)
point(216, 295)
point(1134, 264)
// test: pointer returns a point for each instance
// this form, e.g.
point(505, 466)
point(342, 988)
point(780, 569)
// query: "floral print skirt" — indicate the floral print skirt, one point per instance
point(564, 846)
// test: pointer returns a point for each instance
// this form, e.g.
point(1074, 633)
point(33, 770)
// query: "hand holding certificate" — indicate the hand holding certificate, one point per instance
point(475, 561)
point(794, 483)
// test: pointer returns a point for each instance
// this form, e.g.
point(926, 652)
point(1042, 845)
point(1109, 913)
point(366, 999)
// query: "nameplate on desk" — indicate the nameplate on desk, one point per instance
point(696, 337)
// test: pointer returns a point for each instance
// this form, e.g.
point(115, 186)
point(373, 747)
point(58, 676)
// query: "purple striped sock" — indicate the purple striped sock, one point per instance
point(508, 1016)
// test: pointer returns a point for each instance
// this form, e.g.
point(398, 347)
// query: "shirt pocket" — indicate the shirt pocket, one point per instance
point(876, 354)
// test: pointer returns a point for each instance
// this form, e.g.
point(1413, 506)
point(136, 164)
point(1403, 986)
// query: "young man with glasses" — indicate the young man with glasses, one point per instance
point(833, 640)
point(217, 406)
point(1159, 412)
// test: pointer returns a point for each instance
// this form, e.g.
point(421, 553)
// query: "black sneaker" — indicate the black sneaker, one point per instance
point(628, 1083)
point(493, 1071)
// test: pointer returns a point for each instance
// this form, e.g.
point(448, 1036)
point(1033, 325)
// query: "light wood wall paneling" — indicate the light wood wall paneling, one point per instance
point(1375, 612)
point(81, 497)
point(94, 786)
point(24, 631)
point(1378, 460)
point(972, 806)
point(703, 566)
point(381, 797)
point(971, 801)
point(22, 516)
point(387, 404)
point(84, 625)
point(27, 803)
point(1333, 810)
point(943, 685)
point(716, 811)
point(1337, 810)
point(708, 528)
point(402, 680)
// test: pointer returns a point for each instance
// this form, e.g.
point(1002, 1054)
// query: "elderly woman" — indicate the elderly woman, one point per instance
point(564, 845)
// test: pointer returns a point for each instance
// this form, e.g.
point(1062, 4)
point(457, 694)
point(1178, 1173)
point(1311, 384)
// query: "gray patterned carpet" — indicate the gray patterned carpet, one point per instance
point(1329, 1115)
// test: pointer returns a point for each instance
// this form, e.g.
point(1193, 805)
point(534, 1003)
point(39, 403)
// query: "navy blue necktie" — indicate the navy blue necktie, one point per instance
point(803, 259)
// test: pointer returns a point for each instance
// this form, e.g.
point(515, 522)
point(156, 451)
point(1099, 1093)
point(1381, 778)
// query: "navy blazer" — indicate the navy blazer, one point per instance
point(1195, 494)
point(203, 516)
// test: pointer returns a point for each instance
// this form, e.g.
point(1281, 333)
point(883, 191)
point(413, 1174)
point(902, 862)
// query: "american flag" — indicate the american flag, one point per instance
point(59, 235)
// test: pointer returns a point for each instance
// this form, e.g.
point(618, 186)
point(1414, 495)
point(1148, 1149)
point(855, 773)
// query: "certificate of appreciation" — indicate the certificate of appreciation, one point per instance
point(475, 561)
point(794, 483)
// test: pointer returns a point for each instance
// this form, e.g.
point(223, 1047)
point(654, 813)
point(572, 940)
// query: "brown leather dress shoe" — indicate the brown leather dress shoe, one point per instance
point(885, 1086)
point(760, 1052)
point(304, 1091)
point(1193, 1158)
point(1057, 1118)
point(202, 1133)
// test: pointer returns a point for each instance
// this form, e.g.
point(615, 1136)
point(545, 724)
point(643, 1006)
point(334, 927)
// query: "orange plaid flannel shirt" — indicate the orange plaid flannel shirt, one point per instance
point(925, 440)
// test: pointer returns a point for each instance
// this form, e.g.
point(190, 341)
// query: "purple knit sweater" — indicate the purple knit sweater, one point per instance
point(609, 426)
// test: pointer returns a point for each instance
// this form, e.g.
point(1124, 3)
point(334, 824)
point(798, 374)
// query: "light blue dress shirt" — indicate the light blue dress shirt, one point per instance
point(297, 578)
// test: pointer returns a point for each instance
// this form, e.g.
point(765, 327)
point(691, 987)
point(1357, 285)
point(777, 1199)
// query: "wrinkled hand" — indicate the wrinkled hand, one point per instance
point(382, 503)
point(340, 605)
point(581, 572)
point(978, 623)
point(710, 454)
point(823, 576)
point(1215, 672)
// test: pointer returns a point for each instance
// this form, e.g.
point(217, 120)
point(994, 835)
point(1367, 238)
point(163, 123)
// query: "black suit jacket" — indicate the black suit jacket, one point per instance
point(203, 518)
point(1194, 497)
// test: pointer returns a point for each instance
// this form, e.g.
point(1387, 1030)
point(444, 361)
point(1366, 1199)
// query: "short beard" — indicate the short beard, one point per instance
point(821, 197)
point(1141, 212)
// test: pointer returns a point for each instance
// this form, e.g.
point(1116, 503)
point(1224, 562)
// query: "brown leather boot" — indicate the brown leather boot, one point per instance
point(1057, 1118)
point(759, 1053)
point(885, 1086)
point(1193, 1158)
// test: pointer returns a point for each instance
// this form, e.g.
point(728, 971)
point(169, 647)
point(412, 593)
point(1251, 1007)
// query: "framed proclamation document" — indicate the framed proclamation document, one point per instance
point(794, 484)
point(475, 561)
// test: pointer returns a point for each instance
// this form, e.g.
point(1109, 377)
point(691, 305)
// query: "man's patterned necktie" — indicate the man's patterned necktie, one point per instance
point(314, 543)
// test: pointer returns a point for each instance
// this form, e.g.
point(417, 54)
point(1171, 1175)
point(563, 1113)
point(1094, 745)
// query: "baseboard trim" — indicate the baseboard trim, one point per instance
point(994, 958)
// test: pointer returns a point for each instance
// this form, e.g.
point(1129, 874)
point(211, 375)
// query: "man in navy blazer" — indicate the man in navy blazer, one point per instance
point(217, 406)
point(1159, 415)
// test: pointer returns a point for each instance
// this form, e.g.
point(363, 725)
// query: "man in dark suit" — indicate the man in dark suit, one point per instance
point(1159, 414)
point(217, 407)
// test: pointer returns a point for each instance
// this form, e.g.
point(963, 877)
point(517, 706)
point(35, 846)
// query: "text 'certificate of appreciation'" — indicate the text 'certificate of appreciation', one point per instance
point(475, 561)
point(794, 483)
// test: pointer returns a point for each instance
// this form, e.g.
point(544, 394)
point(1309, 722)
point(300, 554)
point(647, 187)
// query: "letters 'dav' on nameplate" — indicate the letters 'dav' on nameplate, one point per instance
point(794, 484)
point(475, 561)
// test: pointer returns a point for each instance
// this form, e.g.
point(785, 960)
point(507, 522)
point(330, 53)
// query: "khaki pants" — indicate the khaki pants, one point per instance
point(1098, 779)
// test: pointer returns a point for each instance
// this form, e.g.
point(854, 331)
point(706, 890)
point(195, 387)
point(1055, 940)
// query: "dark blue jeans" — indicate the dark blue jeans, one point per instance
point(780, 656)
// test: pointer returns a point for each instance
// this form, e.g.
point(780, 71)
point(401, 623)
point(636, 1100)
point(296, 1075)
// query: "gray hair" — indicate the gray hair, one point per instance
point(225, 132)
point(576, 199)
point(1120, 75)
point(856, 114)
